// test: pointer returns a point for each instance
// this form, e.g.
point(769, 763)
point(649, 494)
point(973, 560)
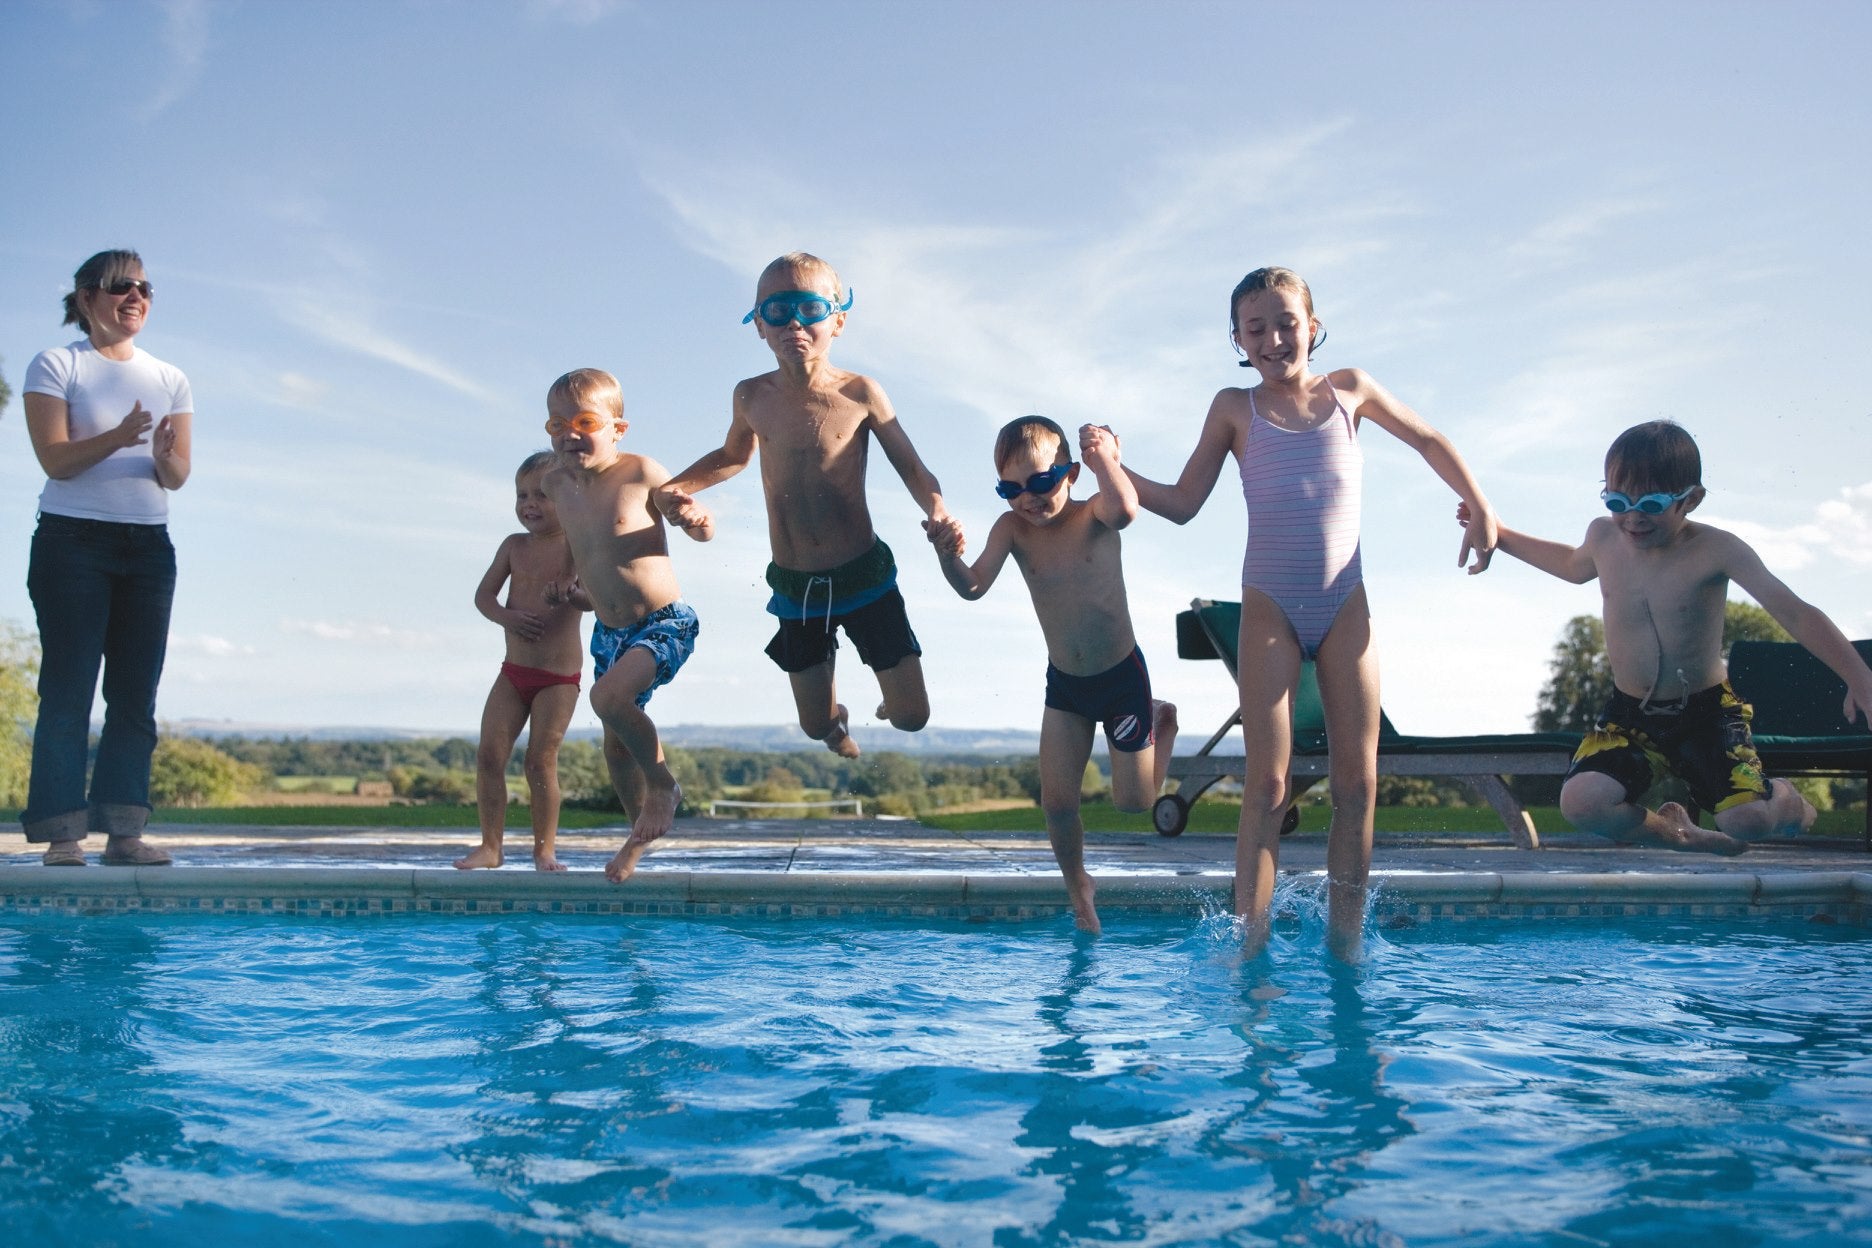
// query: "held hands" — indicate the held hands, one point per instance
point(1858, 704)
point(681, 509)
point(1480, 536)
point(945, 535)
point(567, 594)
point(1098, 448)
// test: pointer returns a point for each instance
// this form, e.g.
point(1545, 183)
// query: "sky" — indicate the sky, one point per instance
point(379, 230)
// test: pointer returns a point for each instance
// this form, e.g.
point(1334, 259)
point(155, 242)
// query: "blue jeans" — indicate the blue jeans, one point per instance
point(102, 592)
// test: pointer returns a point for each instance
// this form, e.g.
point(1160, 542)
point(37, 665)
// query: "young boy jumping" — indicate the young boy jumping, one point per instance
point(1664, 579)
point(539, 681)
point(644, 633)
point(1068, 552)
point(813, 424)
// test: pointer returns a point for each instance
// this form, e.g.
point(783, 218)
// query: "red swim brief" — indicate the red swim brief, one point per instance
point(528, 681)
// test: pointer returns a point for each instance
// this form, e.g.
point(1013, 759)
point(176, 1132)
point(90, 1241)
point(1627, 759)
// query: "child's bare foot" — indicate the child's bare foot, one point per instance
point(658, 813)
point(543, 860)
point(623, 864)
point(1163, 721)
point(839, 740)
point(480, 856)
point(1085, 914)
point(1679, 831)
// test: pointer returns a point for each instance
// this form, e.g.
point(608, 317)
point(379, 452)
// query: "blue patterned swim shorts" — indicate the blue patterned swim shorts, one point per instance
point(668, 633)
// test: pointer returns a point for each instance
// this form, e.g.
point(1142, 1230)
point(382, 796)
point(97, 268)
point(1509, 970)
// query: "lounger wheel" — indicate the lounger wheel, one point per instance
point(1290, 820)
point(1170, 815)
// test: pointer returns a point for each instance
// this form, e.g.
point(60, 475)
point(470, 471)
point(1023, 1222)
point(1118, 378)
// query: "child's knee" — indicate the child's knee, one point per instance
point(491, 756)
point(1354, 792)
point(1265, 793)
point(1589, 797)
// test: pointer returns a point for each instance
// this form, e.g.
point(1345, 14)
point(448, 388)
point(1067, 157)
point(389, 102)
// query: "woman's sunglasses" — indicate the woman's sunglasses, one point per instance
point(1651, 504)
point(124, 285)
point(1040, 483)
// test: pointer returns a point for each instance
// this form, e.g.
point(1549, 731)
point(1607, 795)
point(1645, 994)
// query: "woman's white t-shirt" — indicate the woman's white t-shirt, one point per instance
point(99, 392)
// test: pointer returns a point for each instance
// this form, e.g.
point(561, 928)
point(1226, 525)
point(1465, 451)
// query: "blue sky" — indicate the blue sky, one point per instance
point(378, 231)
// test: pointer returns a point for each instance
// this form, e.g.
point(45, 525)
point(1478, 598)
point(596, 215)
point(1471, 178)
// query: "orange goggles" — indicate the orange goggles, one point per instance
point(586, 423)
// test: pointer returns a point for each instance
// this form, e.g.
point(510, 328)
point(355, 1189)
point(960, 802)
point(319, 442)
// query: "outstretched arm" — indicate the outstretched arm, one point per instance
point(895, 444)
point(677, 506)
point(1807, 624)
point(1482, 532)
point(1569, 563)
point(1116, 503)
point(675, 499)
point(971, 581)
point(1179, 503)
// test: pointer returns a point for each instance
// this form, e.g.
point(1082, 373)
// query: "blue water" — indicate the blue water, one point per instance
point(681, 1082)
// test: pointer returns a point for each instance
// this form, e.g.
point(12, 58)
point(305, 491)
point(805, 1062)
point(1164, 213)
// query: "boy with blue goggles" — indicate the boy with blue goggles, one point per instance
point(808, 307)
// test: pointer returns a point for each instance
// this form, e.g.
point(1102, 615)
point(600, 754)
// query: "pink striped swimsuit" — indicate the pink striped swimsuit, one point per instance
point(1302, 490)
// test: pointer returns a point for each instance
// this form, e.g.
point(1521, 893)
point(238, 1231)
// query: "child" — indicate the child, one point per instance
point(539, 679)
point(813, 423)
point(644, 633)
point(1068, 552)
point(1303, 597)
point(1663, 580)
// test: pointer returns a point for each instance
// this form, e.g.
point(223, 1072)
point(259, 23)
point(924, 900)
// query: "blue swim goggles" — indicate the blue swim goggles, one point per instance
point(808, 307)
point(1039, 483)
point(1651, 504)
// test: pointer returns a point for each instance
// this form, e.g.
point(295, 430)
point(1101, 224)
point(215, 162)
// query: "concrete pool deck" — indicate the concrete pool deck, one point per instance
point(835, 867)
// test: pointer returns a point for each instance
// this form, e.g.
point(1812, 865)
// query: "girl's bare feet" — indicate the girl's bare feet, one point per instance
point(1085, 914)
point(480, 856)
point(543, 860)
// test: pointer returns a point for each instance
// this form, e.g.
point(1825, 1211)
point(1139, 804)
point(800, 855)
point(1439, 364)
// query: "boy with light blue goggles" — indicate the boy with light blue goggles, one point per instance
point(808, 307)
point(1651, 504)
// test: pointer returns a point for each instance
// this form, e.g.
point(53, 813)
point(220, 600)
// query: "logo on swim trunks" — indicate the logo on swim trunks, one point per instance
point(1126, 728)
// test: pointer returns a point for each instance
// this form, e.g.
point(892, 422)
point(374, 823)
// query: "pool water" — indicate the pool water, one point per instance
point(554, 1081)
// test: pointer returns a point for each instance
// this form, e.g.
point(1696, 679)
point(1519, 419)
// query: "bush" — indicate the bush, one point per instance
point(187, 771)
point(19, 707)
point(450, 788)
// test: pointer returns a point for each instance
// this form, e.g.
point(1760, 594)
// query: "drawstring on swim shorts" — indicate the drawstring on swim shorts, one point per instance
point(806, 599)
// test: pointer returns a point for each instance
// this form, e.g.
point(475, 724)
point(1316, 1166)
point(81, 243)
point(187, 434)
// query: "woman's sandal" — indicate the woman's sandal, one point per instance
point(70, 854)
point(132, 851)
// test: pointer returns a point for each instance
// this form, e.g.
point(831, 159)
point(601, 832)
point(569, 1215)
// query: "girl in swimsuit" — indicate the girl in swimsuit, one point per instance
point(1295, 437)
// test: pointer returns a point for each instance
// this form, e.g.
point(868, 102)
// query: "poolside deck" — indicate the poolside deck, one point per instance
point(844, 866)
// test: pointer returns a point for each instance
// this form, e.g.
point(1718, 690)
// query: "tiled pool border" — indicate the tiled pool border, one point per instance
point(1839, 896)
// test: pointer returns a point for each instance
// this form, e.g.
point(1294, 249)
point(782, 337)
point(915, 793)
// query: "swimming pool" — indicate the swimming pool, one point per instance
point(540, 1080)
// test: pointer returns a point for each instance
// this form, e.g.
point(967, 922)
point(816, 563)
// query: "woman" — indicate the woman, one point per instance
point(110, 425)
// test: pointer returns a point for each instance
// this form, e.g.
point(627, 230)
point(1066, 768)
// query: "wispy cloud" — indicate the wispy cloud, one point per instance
point(185, 54)
point(1020, 317)
point(373, 633)
point(1840, 531)
point(208, 645)
point(357, 331)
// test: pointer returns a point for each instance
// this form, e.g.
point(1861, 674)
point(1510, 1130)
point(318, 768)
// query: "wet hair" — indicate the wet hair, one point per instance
point(1655, 456)
point(538, 461)
point(804, 262)
point(1270, 278)
point(1029, 431)
point(591, 387)
point(97, 272)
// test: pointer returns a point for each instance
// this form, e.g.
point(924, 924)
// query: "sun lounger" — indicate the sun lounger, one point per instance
point(1209, 630)
point(1798, 728)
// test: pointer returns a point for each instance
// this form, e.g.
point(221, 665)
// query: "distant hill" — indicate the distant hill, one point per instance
point(754, 738)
